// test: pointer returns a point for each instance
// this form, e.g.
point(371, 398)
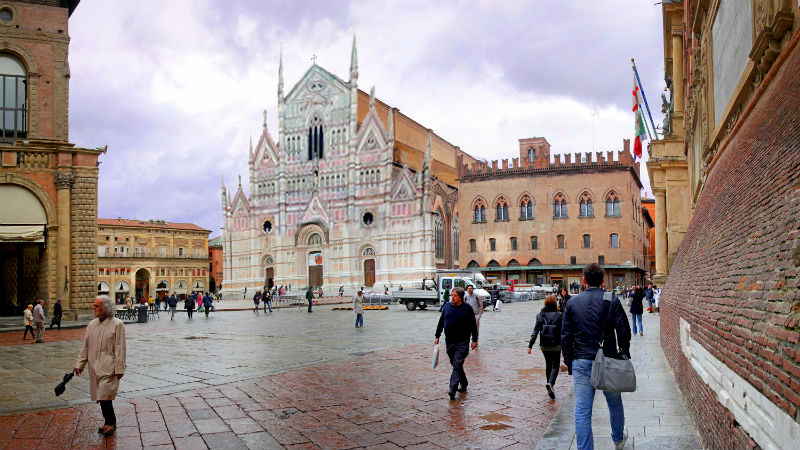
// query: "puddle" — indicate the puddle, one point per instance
point(195, 337)
point(495, 426)
point(494, 417)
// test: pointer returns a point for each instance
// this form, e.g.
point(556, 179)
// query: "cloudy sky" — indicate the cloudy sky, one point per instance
point(176, 88)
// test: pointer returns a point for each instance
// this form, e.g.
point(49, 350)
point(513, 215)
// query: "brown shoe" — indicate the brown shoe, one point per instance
point(108, 430)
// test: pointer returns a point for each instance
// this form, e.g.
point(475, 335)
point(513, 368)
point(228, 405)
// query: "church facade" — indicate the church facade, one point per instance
point(350, 192)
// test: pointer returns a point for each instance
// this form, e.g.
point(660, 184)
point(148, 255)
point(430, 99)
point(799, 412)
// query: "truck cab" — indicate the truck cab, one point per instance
point(433, 290)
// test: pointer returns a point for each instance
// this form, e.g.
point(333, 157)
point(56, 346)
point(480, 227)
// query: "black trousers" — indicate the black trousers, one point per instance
point(108, 412)
point(457, 352)
point(552, 362)
point(28, 328)
point(189, 311)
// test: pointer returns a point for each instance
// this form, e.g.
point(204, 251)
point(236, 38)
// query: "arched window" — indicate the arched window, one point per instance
point(534, 262)
point(455, 238)
point(369, 251)
point(315, 139)
point(13, 96)
point(473, 264)
point(438, 235)
point(480, 211)
point(526, 208)
point(612, 205)
point(560, 241)
point(492, 245)
point(531, 154)
point(614, 240)
point(559, 206)
point(587, 241)
point(493, 263)
point(587, 210)
point(502, 210)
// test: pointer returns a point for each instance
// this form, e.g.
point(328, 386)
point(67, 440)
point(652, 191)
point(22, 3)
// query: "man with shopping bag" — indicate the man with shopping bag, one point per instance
point(588, 321)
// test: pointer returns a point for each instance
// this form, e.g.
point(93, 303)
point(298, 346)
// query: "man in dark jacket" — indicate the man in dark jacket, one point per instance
point(58, 313)
point(458, 322)
point(310, 298)
point(590, 318)
point(207, 302)
point(173, 303)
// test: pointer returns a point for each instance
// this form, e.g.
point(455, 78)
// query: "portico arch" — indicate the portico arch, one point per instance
point(142, 279)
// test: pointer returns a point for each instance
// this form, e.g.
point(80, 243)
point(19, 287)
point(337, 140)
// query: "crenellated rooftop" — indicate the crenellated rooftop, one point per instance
point(540, 163)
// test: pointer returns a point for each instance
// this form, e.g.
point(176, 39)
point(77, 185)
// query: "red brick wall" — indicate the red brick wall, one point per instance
point(735, 278)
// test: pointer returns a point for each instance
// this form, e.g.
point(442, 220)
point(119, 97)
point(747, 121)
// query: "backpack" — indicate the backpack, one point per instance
point(550, 336)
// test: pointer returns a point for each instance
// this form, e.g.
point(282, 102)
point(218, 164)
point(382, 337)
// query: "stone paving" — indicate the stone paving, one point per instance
point(655, 415)
point(297, 380)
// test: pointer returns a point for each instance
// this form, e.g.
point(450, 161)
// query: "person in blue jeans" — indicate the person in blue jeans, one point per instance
point(588, 320)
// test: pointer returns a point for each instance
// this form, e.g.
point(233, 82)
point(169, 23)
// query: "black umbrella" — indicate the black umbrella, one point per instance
point(61, 386)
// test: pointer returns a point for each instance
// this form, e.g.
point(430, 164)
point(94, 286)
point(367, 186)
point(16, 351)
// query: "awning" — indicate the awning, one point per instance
point(21, 233)
point(550, 267)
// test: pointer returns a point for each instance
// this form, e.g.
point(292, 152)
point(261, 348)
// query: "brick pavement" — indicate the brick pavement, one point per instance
point(385, 400)
point(655, 415)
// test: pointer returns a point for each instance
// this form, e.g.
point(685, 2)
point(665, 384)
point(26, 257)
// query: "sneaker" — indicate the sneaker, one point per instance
point(621, 445)
point(550, 391)
point(641, 333)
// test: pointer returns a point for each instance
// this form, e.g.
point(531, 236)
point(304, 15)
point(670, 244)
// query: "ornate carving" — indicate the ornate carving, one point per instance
point(64, 181)
point(733, 118)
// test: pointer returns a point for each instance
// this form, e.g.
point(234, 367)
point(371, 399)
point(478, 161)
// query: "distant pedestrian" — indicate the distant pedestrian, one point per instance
point(189, 305)
point(268, 300)
point(28, 321)
point(476, 303)
point(129, 303)
point(207, 303)
point(166, 300)
point(358, 308)
point(582, 332)
point(104, 352)
point(256, 300)
point(341, 291)
point(38, 319)
point(458, 322)
point(58, 312)
point(173, 303)
point(548, 325)
point(310, 298)
point(637, 309)
point(445, 297)
point(563, 298)
point(649, 298)
point(656, 297)
point(158, 303)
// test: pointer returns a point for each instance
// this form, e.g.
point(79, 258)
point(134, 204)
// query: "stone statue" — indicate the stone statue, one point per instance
point(667, 107)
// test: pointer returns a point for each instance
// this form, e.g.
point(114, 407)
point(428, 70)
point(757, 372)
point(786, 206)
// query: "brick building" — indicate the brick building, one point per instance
point(215, 263)
point(730, 320)
point(650, 205)
point(48, 187)
point(534, 221)
point(151, 258)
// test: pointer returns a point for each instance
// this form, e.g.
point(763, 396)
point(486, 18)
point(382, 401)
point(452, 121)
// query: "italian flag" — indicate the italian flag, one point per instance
point(640, 133)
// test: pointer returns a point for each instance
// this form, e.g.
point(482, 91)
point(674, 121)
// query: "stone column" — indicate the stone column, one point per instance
point(661, 234)
point(64, 183)
point(677, 71)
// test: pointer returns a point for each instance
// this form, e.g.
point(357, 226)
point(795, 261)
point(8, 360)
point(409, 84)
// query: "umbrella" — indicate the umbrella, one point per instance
point(61, 386)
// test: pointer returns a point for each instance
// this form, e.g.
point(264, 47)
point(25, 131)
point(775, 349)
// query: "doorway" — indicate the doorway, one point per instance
point(142, 284)
point(315, 269)
point(270, 278)
point(369, 272)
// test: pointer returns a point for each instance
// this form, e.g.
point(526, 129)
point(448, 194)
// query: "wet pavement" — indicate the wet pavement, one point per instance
point(291, 379)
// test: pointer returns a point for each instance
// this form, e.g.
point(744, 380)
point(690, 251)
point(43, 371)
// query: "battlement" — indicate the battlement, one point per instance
point(539, 149)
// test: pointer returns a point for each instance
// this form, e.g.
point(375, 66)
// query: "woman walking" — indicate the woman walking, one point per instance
point(548, 324)
point(358, 308)
point(188, 303)
point(563, 298)
point(28, 321)
point(637, 308)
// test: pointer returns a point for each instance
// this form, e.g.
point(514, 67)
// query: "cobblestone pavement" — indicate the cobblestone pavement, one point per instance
point(655, 415)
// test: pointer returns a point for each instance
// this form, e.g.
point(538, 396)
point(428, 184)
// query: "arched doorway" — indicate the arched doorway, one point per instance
point(199, 286)
point(22, 248)
point(269, 272)
point(369, 266)
point(315, 269)
point(180, 289)
point(122, 291)
point(103, 288)
point(142, 284)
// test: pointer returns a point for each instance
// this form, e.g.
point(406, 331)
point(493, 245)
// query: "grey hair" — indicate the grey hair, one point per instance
point(108, 305)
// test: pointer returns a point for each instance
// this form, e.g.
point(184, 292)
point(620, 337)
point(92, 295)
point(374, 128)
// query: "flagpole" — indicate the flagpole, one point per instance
point(646, 126)
point(639, 82)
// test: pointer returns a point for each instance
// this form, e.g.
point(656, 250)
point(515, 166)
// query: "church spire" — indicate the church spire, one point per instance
point(390, 127)
point(265, 121)
point(280, 79)
point(372, 98)
point(354, 62)
point(426, 165)
point(251, 147)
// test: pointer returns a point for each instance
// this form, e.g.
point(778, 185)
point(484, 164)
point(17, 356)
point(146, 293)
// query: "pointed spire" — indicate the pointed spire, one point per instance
point(222, 176)
point(354, 62)
point(265, 122)
point(427, 163)
point(372, 98)
point(240, 181)
point(280, 77)
point(251, 147)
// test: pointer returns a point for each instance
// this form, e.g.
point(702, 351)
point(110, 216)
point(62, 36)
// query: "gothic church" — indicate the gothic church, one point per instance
point(351, 193)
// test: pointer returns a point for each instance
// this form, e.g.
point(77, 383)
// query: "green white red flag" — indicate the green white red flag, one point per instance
point(640, 133)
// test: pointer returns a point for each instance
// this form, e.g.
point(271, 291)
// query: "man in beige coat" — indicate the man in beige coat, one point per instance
point(104, 351)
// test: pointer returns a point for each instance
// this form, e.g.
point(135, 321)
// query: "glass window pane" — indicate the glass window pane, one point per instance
point(21, 93)
point(9, 122)
point(10, 93)
point(20, 122)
